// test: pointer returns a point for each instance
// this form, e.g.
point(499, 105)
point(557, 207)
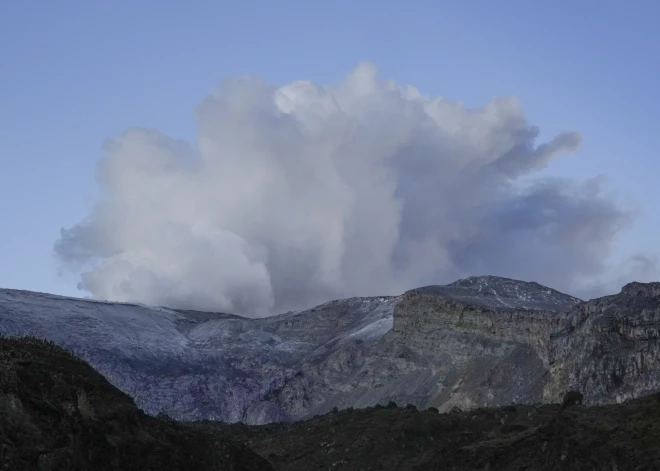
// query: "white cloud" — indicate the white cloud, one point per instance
point(299, 194)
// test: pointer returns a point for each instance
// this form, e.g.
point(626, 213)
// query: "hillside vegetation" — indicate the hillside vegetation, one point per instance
point(57, 413)
point(615, 438)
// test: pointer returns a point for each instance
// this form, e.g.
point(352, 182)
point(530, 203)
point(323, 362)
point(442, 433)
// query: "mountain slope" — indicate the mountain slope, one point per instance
point(57, 413)
point(190, 364)
point(480, 341)
point(610, 347)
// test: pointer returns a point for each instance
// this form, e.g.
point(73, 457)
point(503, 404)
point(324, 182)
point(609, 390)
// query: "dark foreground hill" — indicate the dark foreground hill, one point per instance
point(618, 437)
point(57, 413)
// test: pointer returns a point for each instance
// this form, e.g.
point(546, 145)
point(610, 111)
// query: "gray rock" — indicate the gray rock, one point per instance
point(194, 365)
point(481, 341)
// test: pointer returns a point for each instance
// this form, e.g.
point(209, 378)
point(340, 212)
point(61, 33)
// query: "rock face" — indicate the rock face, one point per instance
point(480, 341)
point(194, 365)
point(484, 340)
point(610, 347)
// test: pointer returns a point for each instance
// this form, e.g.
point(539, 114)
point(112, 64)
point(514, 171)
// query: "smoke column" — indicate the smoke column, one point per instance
point(298, 194)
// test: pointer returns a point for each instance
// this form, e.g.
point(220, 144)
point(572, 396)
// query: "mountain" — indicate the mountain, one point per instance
point(57, 413)
point(477, 342)
point(195, 365)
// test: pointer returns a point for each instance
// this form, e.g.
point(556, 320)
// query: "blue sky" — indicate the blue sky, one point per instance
point(76, 73)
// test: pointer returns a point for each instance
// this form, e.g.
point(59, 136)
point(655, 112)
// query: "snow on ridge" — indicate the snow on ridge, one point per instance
point(139, 331)
point(507, 293)
point(85, 324)
point(375, 330)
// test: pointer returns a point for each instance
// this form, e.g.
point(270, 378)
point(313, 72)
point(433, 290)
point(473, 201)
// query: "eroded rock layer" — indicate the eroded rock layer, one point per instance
point(480, 341)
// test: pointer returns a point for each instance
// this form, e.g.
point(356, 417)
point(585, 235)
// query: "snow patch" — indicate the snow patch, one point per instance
point(375, 330)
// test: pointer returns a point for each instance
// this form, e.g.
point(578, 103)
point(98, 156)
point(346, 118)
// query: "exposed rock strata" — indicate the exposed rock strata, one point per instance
point(481, 341)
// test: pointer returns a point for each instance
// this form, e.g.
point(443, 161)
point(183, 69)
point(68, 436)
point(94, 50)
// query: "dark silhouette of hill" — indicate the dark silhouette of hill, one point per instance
point(57, 413)
point(618, 437)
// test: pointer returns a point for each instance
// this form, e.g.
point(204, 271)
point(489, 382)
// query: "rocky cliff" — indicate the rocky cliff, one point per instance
point(481, 341)
point(609, 347)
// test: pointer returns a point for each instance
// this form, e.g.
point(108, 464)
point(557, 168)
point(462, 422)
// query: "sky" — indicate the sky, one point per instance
point(138, 165)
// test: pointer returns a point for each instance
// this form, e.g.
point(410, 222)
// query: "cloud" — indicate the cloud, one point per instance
point(640, 267)
point(299, 194)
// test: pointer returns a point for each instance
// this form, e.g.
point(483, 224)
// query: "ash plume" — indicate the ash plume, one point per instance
point(298, 194)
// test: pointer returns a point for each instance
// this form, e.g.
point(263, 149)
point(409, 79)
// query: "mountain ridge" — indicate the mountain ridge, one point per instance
point(479, 341)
